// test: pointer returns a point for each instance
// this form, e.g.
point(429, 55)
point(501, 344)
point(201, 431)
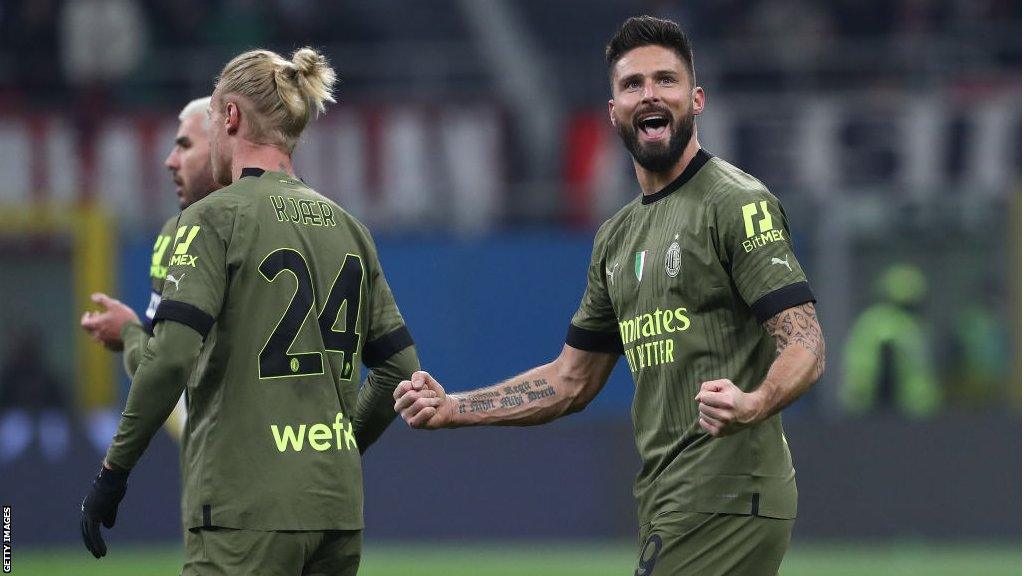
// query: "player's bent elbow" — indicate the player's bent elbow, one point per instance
point(178, 367)
point(819, 366)
point(581, 375)
point(577, 404)
point(578, 391)
point(174, 363)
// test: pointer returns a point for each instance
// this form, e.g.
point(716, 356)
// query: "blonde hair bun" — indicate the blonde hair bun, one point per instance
point(314, 77)
point(283, 93)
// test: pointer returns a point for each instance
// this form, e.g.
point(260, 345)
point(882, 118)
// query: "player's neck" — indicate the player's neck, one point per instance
point(653, 182)
point(268, 158)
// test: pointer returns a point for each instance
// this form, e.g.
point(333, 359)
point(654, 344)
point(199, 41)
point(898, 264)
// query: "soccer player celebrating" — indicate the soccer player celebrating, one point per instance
point(278, 295)
point(117, 326)
point(696, 283)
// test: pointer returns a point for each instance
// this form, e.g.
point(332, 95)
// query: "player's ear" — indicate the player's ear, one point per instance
point(611, 112)
point(698, 100)
point(232, 117)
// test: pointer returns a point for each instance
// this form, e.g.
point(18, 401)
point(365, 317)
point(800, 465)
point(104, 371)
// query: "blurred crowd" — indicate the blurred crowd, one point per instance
point(156, 50)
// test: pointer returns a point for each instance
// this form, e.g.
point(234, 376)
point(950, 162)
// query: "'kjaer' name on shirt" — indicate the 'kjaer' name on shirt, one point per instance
point(307, 212)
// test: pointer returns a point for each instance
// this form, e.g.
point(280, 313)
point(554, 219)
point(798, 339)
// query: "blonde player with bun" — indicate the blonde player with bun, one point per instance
point(278, 296)
point(260, 107)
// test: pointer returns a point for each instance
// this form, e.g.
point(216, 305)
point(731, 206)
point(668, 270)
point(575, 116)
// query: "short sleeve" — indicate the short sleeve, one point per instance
point(388, 333)
point(197, 270)
point(755, 246)
point(595, 327)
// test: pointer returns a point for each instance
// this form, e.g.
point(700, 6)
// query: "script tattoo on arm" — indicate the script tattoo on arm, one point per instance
point(506, 396)
point(541, 394)
point(798, 326)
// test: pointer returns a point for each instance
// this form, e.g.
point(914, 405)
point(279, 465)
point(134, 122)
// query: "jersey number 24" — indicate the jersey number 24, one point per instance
point(276, 360)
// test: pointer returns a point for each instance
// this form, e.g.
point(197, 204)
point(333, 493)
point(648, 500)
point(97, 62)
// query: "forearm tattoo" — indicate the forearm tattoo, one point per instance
point(798, 326)
point(507, 396)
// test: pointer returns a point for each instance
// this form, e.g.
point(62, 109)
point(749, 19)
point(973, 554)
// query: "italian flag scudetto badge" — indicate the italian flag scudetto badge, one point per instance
point(641, 257)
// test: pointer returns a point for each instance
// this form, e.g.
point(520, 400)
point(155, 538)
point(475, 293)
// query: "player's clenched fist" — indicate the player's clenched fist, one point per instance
point(725, 409)
point(422, 402)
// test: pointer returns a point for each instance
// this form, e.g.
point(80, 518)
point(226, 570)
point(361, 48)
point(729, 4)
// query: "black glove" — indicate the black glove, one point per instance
point(100, 505)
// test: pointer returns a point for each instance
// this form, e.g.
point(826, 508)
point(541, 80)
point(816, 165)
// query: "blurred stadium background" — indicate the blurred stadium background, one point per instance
point(471, 136)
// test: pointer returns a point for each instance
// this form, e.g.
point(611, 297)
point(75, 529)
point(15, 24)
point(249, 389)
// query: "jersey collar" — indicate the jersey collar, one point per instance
point(257, 172)
point(691, 169)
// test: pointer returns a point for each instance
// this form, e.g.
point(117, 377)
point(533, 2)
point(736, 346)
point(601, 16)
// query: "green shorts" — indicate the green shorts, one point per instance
point(228, 552)
point(697, 544)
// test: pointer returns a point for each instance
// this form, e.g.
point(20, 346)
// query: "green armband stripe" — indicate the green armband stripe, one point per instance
point(186, 314)
point(378, 351)
point(786, 297)
point(593, 340)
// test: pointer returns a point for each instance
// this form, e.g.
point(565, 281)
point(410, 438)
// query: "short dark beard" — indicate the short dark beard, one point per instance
point(657, 158)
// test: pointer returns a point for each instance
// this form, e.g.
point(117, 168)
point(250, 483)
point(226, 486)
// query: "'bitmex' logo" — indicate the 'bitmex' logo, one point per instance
point(182, 241)
point(321, 436)
point(765, 233)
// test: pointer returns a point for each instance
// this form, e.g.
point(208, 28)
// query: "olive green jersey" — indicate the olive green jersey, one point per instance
point(136, 336)
point(158, 265)
point(681, 281)
point(287, 289)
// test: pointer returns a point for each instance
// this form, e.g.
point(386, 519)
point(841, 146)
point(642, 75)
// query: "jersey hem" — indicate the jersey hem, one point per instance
point(260, 528)
point(741, 494)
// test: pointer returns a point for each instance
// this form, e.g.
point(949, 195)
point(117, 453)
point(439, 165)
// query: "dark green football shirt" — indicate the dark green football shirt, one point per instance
point(158, 264)
point(680, 282)
point(287, 289)
point(135, 336)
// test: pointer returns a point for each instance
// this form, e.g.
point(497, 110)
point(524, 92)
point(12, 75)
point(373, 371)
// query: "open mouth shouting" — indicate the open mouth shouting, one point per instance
point(653, 126)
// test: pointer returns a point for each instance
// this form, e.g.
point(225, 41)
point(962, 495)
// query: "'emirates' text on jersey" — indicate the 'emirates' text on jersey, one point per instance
point(680, 282)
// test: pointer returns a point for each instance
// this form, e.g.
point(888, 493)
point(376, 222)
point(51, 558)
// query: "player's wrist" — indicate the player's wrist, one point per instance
point(112, 469)
point(449, 411)
point(128, 327)
point(757, 406)
point(110, 479)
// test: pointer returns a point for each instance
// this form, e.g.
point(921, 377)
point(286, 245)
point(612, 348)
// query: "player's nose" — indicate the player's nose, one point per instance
point(650, 92)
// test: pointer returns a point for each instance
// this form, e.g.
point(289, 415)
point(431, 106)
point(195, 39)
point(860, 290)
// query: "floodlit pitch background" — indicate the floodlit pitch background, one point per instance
point(472, 137)
point(572, 559)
